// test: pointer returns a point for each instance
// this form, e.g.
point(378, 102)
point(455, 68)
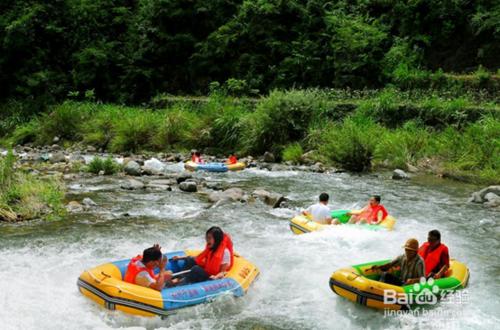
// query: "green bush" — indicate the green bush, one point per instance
point(64, 121)
point(292, 153)
point(179, 126)
point(108, 166)
point(352, 143)
point(27, 132)
point(135, 130)
point(402, 146)
point(281, 118)
point(227, 128)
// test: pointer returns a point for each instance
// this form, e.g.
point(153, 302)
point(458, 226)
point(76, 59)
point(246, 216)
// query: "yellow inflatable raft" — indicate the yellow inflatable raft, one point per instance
point(104, 284)
point(360, 284)
point(301, 224)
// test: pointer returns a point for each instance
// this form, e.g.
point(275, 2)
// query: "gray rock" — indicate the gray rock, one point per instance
point(90, 149)
point(55, 147)
point(492, 199)
point(398, 174)
point(216, 185)
point(411, 168)
point(308, 157)
point(55, 139)
point(164, 185)
point(132, 184)
point(269, 198)
point(132, 168)
point(279, 167)
point(88, 202)
point(183, 177)
point(188, 186)
point(153, 166)
point(480, 196)
point(269, 157)
point(318, 168)
point(74, 206)
point(57, 157)
point(76, 157)
point(231, 194)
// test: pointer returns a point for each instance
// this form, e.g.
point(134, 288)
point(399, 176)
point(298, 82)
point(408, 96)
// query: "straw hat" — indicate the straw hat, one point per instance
point(411, 244)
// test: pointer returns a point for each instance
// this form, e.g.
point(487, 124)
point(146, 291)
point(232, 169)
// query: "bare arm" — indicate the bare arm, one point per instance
point(222, 273)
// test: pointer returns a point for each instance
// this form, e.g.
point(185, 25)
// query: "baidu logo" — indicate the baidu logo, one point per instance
point(423, 293)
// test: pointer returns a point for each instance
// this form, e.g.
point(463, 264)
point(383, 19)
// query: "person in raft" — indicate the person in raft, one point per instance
point(232, 159)
point(140, 269)
point(373, 213)
point(436, 256)
point(196, 157)
point(211, 264)
point(320, 212)
point(412, 266)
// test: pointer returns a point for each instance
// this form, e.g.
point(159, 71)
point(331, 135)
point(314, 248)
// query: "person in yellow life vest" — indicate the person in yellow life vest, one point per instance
point(211, 264)
point(373, 213)
point(435, 255)
point(140, 269)
point(412, 266)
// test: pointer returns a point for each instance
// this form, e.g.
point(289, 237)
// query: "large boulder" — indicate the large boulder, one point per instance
point(88, 202)
point(57, 157)
point(398, 174)
point(493, 200)
point(132, 184)
point(269, 157)
point(231, 194)
point(74, 207)
point(480, 196)
point(270, 198)
point(132, 168)
point(153, 166)
point(183, 177)
point(188, 186)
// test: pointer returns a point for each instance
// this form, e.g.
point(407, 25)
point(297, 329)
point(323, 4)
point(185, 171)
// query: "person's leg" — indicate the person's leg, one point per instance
point(390, 279)
point(197, 274)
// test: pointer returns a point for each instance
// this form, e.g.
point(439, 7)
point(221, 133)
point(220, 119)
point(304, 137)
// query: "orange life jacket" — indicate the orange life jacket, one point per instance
point(211, 261)
point(232, 160)
point(371, 214)
point(431, 258)
point(193, 158)
point(197, 160)
point(133, 269)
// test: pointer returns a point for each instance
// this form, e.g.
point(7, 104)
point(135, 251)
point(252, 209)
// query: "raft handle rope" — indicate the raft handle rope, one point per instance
point(167, 300)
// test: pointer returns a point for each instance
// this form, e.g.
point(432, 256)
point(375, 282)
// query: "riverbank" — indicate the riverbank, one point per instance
point(455, 137)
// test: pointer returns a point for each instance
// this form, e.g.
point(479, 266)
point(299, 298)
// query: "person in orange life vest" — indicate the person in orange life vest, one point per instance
point(197, 158)
point(140, 269)
point(435, 255)
point(373, 213)
point(213, 262)
point(232, 159)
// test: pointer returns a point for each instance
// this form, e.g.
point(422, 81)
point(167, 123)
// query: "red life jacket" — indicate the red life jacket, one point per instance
point(197, 160)
point(432, 258)
point(371, 214)
point(232, 160)
point(211, 261)
point(133, 269)
point(193, 158)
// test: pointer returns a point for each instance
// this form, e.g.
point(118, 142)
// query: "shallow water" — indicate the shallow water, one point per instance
point(42, 260)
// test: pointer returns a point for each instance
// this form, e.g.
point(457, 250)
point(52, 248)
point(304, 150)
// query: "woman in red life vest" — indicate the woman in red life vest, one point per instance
point(435, 255)
point(196, 157)
point(140, 269)
point(373, 213)
point(232, 159)
point(213, 262)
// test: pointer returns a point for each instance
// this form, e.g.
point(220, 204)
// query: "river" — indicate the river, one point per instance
point(41, 261)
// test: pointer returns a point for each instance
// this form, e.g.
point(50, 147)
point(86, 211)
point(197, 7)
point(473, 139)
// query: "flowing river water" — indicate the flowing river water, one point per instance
point(41, 261)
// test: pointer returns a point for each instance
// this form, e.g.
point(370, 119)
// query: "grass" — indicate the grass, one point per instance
point(24, 196)
point(352, 129)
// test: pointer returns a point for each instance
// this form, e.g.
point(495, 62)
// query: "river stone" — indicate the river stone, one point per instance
point(232, 194)
point(132, 184)
point(398, 174)
point(161, 184)
point(188, 186)
point(269, 198)
point(132, 168)
point(57, 157)
point(74, 206)
point(269, 157)
point(88, 202)
point(411, 168)
point(183, 177)
point(153, 166)
point(318, 168)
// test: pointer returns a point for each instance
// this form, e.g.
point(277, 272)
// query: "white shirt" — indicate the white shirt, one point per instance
point(319, 212)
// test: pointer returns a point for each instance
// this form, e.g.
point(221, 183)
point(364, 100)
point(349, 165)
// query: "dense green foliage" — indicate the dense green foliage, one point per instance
point(107, 166)
point(129, 51)
point(24, 196)
point(355, 130)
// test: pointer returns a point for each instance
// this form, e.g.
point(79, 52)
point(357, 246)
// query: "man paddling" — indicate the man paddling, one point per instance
point(412, 266)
